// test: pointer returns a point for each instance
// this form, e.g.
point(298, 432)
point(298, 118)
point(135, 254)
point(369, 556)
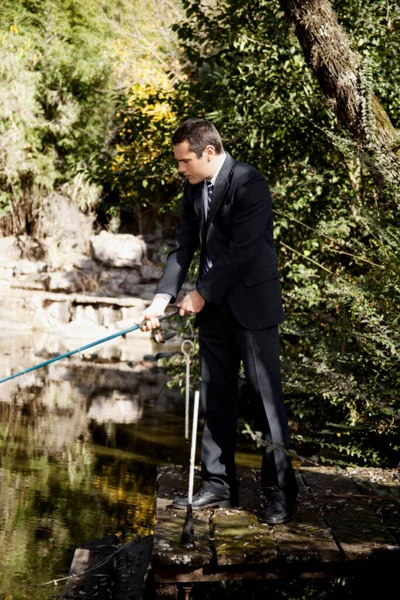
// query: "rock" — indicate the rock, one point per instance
point(29, 267)
point(158, 251)
point(118, 250)
point(58, 312)
point(30, 282)
point(109, 316)
point(32, 248)
point(64, 227)
point(130, 315)
point(145, 291)
point(86, 264)
point(9, 248)
point(6, 270)
point(86, 314)
point(97, 581)
point(131, 568)
point(119, 282)
point(122, 577)
point(59, 281)
point(150, 272)
point(80, 296)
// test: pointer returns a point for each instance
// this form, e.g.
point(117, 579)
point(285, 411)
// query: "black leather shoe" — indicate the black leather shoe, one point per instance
point(281, 506)
point(203, 499)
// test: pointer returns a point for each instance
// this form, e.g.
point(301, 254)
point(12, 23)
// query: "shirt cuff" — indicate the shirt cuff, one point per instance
point(166, 296)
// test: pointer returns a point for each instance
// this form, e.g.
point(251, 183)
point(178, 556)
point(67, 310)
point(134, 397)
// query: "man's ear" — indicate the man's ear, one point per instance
point(209, 151)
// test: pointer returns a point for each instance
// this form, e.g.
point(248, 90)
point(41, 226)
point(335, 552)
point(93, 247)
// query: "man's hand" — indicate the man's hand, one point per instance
point(156, 308)
point(191, 304)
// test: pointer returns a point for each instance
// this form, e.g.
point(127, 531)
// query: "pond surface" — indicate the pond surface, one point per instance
point(80, 443)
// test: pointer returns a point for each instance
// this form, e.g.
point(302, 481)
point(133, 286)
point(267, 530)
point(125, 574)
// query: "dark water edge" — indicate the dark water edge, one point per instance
point(80, 443)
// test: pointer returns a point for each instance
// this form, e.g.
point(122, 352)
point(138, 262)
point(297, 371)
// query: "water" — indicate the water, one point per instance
point(80, 442)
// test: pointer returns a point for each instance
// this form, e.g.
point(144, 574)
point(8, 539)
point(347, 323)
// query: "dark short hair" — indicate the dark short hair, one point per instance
point(200, 133)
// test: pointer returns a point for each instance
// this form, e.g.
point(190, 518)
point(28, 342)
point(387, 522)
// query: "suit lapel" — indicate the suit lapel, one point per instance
point(198, 205)
point(221, 185)
point(220, 189)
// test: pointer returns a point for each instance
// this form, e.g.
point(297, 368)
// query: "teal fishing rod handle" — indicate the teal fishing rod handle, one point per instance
point(87, 346)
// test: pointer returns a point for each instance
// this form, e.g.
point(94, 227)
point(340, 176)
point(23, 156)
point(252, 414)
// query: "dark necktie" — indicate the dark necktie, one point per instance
point(210, 189)
point(206, 263)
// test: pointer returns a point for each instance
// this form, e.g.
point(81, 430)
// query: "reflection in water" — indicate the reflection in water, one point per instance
point(79, 446)
point(117, 407)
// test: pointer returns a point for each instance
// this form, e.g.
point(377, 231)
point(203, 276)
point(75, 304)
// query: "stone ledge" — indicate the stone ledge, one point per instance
point(14, 291)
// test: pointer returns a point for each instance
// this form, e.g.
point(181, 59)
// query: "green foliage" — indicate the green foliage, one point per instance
point(335, 226)
point(55, 99)
point(139, 166)
point(374, 28)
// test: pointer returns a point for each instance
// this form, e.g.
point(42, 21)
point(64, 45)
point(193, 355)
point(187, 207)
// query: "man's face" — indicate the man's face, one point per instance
point(192, 167)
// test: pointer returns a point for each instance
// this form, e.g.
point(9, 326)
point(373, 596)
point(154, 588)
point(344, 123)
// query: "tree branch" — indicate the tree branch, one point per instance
point(337, 67)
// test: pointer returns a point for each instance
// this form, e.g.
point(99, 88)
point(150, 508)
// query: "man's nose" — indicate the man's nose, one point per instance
point(181, 168)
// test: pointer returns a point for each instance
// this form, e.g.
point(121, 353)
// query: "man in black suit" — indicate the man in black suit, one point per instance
point(227, 212)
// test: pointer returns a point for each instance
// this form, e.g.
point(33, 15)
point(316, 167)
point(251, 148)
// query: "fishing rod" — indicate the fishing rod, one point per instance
point(187, 536)
point(159, 336)
point(187, 352)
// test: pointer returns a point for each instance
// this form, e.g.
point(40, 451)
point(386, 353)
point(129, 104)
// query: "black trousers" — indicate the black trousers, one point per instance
point(223, 344)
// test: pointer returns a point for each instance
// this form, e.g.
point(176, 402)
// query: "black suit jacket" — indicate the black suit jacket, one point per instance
point(239, 241)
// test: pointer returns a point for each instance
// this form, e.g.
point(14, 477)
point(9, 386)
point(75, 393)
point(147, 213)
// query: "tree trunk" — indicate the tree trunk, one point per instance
point(337, 67)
